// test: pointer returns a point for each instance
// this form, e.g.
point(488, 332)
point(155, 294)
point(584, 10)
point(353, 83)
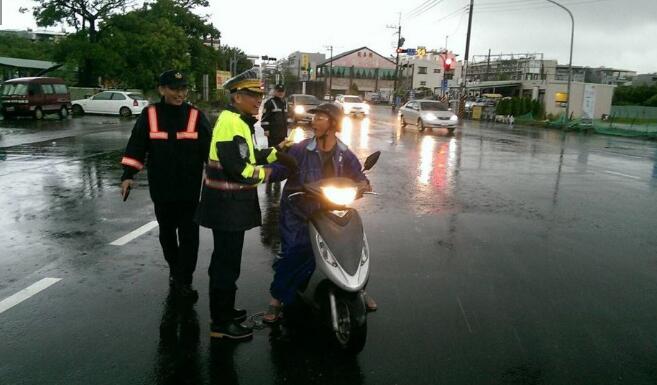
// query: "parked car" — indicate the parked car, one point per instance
point(298, 106)
point(427, 113)
point(111, 102)
point(35, 96)
point(353, 105)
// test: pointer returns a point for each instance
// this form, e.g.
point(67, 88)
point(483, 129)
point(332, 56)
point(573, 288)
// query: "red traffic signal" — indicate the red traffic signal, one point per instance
point(449, 64)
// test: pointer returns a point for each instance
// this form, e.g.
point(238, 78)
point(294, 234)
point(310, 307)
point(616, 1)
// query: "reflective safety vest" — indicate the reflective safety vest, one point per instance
point(229, 126)
point(154, 133)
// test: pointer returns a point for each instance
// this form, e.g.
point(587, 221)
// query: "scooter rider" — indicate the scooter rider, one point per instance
point(323, 156)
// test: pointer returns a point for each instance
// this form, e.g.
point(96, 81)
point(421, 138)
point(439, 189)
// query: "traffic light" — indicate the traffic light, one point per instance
point(401, 41)
point(448, 64)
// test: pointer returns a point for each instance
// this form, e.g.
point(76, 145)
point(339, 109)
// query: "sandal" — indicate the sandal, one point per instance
point(273, 315)
point(370, 304)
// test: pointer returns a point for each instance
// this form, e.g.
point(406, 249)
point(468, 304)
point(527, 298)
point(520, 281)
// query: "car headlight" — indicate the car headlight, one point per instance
point(454, 118)
point(430, 116)
point(366, 107)
point(299, 110)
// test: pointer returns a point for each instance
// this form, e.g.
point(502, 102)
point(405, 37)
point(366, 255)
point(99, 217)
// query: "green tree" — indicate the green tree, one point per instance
point(84, 16)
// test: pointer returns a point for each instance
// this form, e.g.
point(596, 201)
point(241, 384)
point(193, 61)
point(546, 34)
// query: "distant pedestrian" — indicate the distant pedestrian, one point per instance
point(171, 139)
point(274, 122)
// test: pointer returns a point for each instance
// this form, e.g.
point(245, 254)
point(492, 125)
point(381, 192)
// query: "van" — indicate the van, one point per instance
point(36, 97)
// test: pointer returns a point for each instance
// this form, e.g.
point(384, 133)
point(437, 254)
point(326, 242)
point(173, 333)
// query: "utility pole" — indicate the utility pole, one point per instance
point(400, 42)
point(464, 72)
point(570, 61)
point(330, 48)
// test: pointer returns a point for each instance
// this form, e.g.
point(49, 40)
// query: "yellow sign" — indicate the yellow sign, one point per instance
point(421, 51)
point(305, 61)
point(222, 76)
point(476, 112)
point(561, 97)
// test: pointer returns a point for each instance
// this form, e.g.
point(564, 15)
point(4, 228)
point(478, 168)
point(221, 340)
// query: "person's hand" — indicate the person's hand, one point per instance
point(288, 161)
point(285, 144)
point(126, 186)
point(267, 134)
point(268, 172)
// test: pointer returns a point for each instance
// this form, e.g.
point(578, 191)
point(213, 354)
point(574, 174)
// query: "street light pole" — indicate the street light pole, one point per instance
point(570, 61)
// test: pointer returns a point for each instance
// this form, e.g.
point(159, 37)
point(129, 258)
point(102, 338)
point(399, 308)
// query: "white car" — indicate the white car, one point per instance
point(353, 105)
point(111, 102)
point(427, 113)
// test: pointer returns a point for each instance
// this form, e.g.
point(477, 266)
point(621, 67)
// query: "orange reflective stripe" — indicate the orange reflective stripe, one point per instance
point(190, 132)
point(187, 135)
point(132, 162)
point(154, 131)
point(191, 122)
point(158, 135)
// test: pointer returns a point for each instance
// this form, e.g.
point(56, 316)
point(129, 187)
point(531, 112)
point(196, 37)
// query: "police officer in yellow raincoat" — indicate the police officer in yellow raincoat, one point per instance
point(229, 198)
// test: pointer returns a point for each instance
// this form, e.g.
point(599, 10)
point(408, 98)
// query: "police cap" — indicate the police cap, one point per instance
point(246, 81)
point(173, 79)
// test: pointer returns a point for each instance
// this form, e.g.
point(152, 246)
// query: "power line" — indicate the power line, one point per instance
point(418, 7)
point(427, 8)
point(456, 12)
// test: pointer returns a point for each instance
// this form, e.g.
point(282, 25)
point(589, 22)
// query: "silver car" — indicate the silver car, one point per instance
point(427, 113)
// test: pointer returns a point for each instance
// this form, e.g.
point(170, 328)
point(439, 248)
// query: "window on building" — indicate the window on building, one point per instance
point(358, 54)
point(370, 54)
point(436, 70)
point(421, 70)
point(423, 83)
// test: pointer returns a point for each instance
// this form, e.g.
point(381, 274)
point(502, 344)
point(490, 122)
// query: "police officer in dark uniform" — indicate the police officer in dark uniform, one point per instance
point(274, 122)
point(274, 117)
point(171, 138)
point(229, 199)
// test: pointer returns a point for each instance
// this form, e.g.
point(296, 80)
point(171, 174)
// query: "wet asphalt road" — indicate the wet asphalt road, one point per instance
point(499, 256)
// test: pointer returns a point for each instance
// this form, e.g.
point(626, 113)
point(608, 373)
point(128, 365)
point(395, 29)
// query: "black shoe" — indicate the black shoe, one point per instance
point(230, 330)
point(186, 293)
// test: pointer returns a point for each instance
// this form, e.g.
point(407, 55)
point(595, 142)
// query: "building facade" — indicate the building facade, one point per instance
point(645, 80)
point(357, 71)
point(303, 64)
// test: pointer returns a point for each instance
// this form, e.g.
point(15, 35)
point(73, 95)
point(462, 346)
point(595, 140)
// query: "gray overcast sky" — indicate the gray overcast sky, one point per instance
point(612, 33)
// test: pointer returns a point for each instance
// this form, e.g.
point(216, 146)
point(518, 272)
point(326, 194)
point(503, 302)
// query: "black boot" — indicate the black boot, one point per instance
point(239, 315)
point(186, 293)
point(230, 330)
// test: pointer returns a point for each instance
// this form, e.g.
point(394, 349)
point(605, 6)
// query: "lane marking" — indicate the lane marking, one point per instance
point(464, 316)
point(621, 174)
point(134, 234)
point(26, 293)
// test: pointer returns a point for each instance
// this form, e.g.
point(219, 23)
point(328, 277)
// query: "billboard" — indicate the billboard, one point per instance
point(221, 78)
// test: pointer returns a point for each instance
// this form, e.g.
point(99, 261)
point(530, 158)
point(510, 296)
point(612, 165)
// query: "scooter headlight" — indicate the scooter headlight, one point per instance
point(340, 195)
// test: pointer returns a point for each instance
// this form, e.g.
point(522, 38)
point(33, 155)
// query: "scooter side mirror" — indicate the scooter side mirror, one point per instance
point(371, 160)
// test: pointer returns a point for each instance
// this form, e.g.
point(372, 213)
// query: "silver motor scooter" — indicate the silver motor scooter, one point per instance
point(342, 258)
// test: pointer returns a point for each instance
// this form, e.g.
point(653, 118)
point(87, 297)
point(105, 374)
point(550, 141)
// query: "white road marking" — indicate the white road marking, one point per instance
point(26, 293)
point(134, 234)
point(621, 174)
point(464, 316)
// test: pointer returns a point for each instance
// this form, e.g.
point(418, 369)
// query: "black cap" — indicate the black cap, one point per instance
point(173, 79)
point(279, 87)
point(331, 109)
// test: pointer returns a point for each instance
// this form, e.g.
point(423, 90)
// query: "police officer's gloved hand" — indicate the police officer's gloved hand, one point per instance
point(285, 145)
point(288, 161)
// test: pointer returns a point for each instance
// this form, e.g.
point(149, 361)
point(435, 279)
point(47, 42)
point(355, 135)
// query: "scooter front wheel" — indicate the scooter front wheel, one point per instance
point(351, 333)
